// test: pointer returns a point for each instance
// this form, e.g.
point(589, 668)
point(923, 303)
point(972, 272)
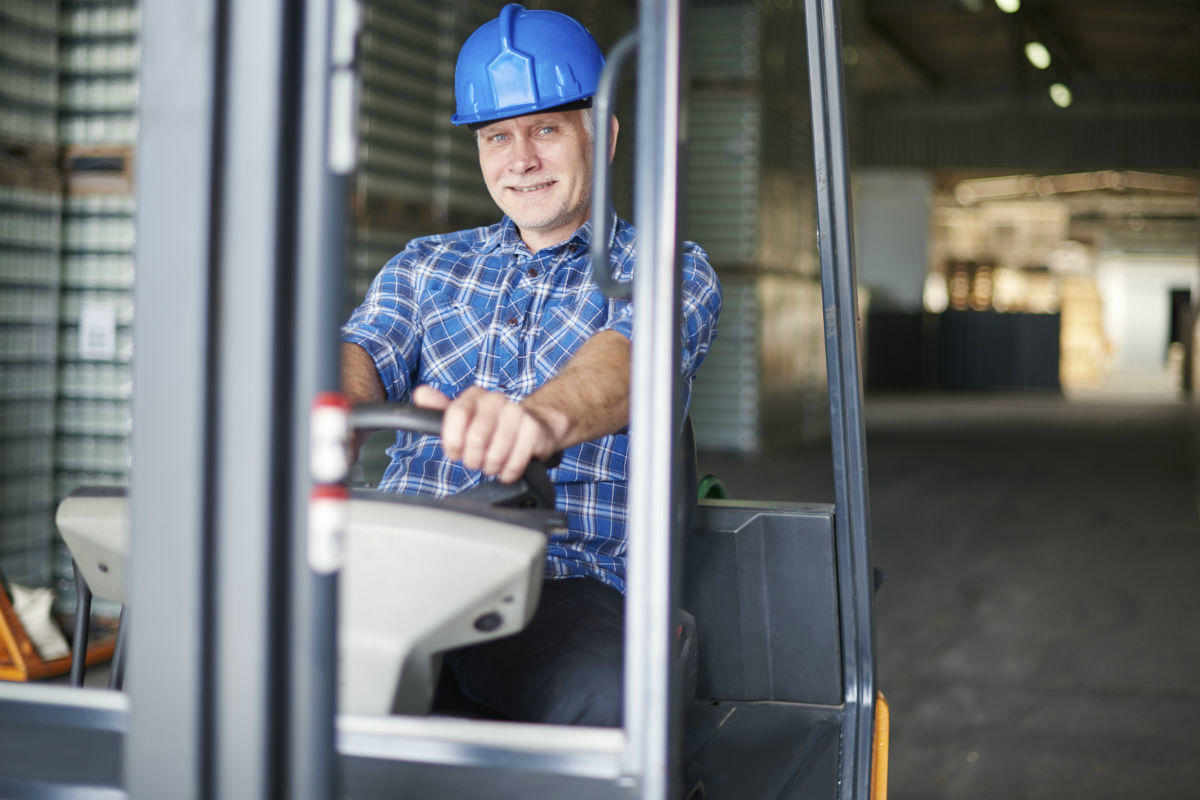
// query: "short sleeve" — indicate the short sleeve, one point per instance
point(700, 308)
point(387, 325)
point(620, 318)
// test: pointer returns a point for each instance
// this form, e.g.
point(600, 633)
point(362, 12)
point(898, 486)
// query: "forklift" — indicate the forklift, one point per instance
point(286, 630)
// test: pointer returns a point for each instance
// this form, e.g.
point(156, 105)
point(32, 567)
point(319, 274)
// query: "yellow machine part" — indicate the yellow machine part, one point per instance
point(879, 749)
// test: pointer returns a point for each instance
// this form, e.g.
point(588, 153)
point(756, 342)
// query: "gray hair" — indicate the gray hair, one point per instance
point(589, 123)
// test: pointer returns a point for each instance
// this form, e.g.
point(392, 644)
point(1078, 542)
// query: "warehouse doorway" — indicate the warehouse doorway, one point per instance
point(1181, 318)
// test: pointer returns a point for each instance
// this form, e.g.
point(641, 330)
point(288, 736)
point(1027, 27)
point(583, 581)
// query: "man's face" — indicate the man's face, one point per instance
point(538, 169)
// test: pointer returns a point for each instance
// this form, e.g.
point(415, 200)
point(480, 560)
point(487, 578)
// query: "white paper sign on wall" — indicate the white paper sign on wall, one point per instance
point(97, 330)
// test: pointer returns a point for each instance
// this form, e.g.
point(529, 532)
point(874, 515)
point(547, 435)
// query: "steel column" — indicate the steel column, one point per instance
point(252, 447)
point(320, 275)
point(212, 399)
point(167, 751)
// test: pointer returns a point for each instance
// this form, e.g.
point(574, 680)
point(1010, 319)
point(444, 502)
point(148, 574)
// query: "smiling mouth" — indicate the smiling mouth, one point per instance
point(537, 187)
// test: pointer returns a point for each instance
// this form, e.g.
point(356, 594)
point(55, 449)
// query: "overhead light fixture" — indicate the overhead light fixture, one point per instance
point(1037, 54)
point(1060, 94)
point(1009, 6)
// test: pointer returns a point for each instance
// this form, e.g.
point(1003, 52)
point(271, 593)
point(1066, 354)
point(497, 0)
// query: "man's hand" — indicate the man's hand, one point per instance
point(487, 431)
point(587, 399)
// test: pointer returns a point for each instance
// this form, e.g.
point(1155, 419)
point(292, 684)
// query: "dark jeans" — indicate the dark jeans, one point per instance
point(565, 668)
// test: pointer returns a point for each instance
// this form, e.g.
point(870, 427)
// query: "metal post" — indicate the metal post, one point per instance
point(651, 715)
point(116, 678)
point(852, 516)
point(212, 399)
point(167, 749)
point(252, 448)
point(320, 268)
point(83, 623)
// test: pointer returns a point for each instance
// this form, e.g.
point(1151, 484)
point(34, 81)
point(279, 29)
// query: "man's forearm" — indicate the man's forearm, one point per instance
point(360, 384)
point(589, 398)
point(360, 379)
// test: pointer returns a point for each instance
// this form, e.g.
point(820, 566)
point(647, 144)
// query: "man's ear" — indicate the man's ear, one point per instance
point(613, 128)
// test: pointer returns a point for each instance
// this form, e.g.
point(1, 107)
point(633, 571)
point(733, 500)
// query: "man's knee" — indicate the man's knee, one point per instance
point(564, 669)
point(586, 694)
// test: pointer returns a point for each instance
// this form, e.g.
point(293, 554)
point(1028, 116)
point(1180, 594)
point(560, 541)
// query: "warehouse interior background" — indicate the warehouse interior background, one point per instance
point(1027, 233)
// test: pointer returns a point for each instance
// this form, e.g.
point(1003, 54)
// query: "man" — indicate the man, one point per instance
point(503, 328)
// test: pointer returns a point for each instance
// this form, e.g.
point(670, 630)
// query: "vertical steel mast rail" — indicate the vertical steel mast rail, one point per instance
point(220, 277)
point(840, 307)
point(326, 156)
point(168, 681)
point(651, 714)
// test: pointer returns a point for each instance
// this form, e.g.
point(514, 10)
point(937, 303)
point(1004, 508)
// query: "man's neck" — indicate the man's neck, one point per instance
point(540, 240)
point(536, 243)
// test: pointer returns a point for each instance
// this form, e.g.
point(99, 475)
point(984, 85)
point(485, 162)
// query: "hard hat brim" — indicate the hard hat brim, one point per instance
point(476, 121)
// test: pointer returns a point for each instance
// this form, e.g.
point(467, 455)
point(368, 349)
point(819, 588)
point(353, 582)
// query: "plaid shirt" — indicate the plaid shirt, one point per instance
point(476, 307)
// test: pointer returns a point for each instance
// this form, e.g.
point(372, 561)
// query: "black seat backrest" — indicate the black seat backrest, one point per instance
point(760, 579)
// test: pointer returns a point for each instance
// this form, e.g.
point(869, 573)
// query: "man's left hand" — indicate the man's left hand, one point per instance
point(487, 431)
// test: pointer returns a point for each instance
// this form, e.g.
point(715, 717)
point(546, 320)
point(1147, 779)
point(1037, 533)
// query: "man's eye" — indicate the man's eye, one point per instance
point(546, 130)
point(497, 138)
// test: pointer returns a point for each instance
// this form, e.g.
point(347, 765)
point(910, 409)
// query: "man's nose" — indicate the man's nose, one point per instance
point(524, 155)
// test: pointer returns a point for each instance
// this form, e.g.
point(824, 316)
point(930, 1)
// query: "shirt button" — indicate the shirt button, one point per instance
point(513, 321)
point(532, 272)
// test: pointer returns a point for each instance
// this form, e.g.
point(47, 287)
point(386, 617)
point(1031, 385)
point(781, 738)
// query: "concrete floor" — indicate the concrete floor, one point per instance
point(1038, 632)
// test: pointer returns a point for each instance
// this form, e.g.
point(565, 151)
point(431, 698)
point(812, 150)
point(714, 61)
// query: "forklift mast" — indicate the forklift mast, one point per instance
point(246, 145)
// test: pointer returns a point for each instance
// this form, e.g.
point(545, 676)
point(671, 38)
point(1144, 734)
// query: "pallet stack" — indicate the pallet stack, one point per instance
point(750, 202)
point(97, 127)
point(416, 174)
point(30, 208)
point(722, 190)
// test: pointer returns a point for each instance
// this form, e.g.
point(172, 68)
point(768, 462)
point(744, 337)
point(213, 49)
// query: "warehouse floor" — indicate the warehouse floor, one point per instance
point(1038, 632)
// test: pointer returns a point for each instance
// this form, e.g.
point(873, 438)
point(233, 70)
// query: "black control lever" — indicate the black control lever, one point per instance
point(532, 490)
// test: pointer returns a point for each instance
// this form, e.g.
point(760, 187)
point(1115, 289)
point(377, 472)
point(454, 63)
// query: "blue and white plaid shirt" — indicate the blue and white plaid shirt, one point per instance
point(476, 307)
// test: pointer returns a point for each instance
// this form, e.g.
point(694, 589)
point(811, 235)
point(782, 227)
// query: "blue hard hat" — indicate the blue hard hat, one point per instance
point(524, 61)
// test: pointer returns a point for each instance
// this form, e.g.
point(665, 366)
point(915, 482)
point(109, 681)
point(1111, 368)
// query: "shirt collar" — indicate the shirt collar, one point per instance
point(507, 238)
point(583, 237)
point(504, 235)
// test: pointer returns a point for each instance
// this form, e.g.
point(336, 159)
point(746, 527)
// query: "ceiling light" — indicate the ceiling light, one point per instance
point(1060, 94)
point(1037, 54)
point(1009, 6)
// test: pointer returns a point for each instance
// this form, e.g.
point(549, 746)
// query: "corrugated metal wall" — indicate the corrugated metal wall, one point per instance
point(931, 134)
